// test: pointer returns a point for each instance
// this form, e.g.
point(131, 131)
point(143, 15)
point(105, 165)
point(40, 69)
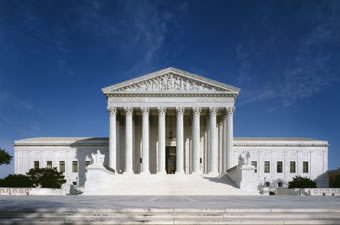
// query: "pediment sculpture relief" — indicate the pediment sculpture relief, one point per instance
point(169, 82)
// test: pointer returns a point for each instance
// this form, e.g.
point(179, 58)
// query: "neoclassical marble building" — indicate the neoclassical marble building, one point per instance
point(175, 122)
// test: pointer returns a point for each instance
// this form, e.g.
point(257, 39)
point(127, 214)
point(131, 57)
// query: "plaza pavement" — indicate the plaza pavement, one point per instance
point(199, 202)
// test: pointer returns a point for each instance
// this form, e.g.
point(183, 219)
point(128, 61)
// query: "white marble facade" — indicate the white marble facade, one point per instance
point(172, 121)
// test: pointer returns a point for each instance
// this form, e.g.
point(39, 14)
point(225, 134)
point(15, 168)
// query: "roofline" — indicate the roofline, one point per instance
point(106, 90)
point(103, 141)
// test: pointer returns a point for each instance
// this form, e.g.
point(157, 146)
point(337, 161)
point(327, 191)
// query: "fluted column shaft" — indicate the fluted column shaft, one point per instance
point(145, 141)
point(225, 156)
point(230, 135)
point(161, 140)
point(180, 141)
point(196, 140)
point(128, 140)
point(213, 142)
point(113, 138)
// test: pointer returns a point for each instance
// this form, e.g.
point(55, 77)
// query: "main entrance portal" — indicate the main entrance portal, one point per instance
point(170, 160)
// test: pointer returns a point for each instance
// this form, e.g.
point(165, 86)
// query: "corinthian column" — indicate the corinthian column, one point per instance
point(230, 114)
point(112, 141)
point(161, 140)
point(196, 140)
point(179, 141)
point(128, 140)
point(145, 142)
point(213, 142)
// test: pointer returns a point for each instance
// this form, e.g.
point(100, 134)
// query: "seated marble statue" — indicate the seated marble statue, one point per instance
point(97, 159)
point(244, 159)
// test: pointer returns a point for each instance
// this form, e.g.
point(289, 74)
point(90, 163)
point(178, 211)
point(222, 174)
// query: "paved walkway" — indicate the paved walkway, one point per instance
point(213, 202)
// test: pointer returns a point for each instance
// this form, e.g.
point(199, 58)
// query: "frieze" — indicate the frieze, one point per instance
point(134, 99)
point(219, 100)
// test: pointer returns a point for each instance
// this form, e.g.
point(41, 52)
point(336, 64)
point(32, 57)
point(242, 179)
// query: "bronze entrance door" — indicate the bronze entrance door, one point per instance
point(170, 160)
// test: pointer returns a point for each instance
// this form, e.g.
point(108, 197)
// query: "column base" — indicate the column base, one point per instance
point(213, 173)
point(179, 173)
point(128, 173)
point(161, 173)
point(197, 173)
point(145, 173)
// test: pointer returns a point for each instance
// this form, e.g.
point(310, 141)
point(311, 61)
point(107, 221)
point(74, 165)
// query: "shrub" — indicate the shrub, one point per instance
point(46, 177)
point(16, 180)
point(301, 182)
point(336, 182)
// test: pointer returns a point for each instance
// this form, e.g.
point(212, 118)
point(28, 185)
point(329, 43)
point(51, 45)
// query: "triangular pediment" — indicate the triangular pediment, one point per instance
point(170, 80)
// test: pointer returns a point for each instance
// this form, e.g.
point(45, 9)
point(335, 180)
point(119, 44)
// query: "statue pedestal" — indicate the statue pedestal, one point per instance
point(95, 177)
point(244, 177)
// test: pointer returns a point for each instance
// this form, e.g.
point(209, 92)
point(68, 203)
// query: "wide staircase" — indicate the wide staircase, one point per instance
point(168, 184)
point(169, 216)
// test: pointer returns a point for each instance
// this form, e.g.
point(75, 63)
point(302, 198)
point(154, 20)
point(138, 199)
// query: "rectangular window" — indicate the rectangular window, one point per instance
point(49, 164)
point(305, 167)
point(62, 166)
point(279, 184)
point(292, 167)
point(36, 164)
point(87, 163)
point(279, 167)
point(266, 166)
point(254, 163)
point(75, 166)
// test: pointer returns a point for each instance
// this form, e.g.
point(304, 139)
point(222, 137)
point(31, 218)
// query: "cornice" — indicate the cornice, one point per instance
point(279, 145)
point(62, 144)
point(171, 94)
point(107, 144)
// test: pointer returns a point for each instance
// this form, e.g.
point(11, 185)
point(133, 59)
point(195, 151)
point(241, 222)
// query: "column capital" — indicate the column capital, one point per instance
point(213, 111)
point(128, 111)
point(112, 111)
point(230, 110)
point(180, 110)
point(161, 111)
point(196, 111)
point(145, 110)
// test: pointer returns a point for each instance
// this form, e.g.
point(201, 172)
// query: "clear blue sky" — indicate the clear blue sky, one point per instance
point(55, 56)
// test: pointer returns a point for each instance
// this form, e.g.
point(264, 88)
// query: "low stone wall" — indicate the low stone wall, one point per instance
point(286, 191)
point(320, 191)
point(30, 191)
point(14, 191)
point(309, 191)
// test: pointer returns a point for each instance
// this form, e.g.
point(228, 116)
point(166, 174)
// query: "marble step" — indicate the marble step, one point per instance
point(170, 221)
point(169, 216)
point(140, 216)
point(166, 185)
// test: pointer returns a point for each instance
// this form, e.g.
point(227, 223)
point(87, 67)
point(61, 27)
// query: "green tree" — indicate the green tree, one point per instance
point(301, 182)
point(16, 180)
point(336, 182)
point(5, 158)
point(46, 177)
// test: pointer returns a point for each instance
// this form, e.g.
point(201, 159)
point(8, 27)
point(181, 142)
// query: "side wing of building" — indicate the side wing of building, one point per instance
point(278, 160)
point(69, 155)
